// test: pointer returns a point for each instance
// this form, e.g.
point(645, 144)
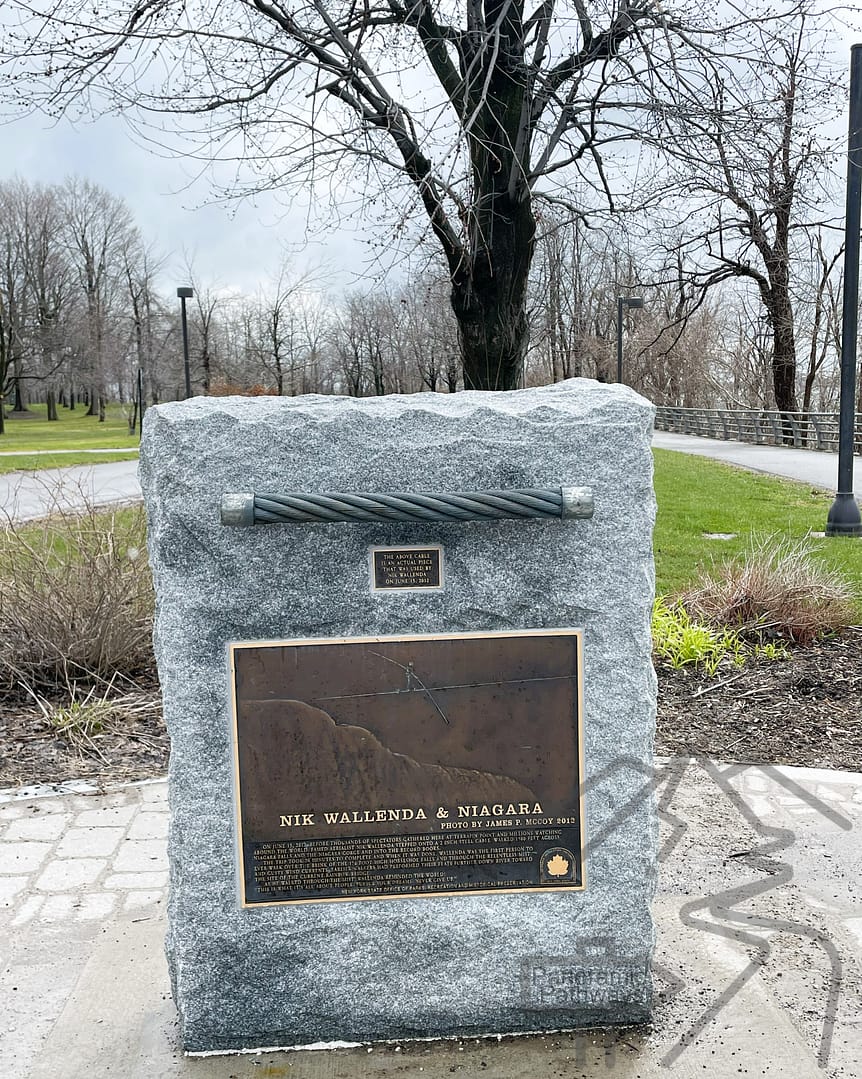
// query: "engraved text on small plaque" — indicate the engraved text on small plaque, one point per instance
point(406, 568)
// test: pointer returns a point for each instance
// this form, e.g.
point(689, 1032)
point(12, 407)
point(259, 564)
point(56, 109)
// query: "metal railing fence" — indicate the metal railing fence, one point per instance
point(805, 430)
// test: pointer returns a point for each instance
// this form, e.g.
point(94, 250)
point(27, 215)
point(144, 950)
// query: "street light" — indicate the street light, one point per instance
point(186, 293)
point(623, 302)
point(844, 518)
point(139, 390)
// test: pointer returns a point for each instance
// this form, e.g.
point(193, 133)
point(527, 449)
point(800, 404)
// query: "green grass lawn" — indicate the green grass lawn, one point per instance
point(71, 431)
point(697, 496)
point(30, 462)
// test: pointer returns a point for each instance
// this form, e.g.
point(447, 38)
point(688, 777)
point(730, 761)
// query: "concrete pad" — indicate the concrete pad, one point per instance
point(63, 875)
point(40, 828)
point(84, 991)
point(35, 982)
point(23, 857)
point(125, 984)
point(89, 842)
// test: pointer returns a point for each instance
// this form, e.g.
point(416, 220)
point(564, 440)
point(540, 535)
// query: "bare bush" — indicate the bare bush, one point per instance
point(76, 597)
point(777, 589)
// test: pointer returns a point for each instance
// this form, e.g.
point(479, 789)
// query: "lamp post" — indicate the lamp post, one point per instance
point(139, 390)
point(634, 302)
point(844, 518)
point(186, 293)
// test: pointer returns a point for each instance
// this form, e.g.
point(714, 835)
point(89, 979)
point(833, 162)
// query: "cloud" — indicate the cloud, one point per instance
point(235, 246)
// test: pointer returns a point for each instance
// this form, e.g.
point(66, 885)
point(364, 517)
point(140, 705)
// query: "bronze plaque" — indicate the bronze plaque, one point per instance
point(380, 767)
point(406, 568)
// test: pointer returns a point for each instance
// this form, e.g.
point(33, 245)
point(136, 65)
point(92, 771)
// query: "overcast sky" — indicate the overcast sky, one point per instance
point(234, 246)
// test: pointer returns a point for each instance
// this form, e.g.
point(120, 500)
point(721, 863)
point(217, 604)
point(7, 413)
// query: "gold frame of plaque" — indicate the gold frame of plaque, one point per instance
point(408, 766)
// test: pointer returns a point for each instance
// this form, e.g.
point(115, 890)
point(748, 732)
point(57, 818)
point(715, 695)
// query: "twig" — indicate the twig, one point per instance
point(716, 685)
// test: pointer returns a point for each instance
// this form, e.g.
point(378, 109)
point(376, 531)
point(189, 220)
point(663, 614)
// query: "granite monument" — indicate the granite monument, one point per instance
point(409, 768)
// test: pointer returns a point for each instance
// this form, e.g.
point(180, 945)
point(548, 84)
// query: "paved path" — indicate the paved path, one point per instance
point(756, 862)
point(810, 466)
point(28, 495)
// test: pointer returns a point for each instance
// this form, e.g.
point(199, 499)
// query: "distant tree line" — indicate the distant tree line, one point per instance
point(547, 153)
point(83, 320)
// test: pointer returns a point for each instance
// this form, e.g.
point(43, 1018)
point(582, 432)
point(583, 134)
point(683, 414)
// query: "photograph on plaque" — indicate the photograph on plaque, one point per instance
point(382, 767)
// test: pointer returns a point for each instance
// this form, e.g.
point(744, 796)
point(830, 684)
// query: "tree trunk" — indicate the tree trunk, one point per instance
point(52, 405)
point(489, 273)
point(784, 367)
point(489, 298)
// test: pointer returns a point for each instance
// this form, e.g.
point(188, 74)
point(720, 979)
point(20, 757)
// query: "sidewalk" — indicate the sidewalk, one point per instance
point(28, 495)
point(808, 466)
point(758, 965)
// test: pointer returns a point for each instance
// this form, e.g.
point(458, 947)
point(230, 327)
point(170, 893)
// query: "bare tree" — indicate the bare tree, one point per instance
point(34, 291)
point(97, 229)
point(465, 114)
point(49, 280)
point(13, 302)
point(757, 155)
point(141, 266)
point(578, 274)
point(281, 343)
point(361, 337)
point(822, 305)
point(203, 327)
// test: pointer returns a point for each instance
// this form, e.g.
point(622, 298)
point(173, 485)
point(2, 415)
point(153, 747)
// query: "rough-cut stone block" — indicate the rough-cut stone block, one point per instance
point(400, 968)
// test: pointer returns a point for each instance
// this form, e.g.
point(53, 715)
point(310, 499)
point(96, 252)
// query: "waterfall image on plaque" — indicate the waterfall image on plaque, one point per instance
point(380, 767)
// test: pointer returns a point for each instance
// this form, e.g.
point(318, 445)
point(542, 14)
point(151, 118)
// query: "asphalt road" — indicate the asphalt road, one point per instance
point(28, 495)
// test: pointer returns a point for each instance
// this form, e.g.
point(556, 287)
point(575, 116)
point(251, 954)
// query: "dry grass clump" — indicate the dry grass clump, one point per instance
point(777, 590)
point(76, 597)
point(84, 715)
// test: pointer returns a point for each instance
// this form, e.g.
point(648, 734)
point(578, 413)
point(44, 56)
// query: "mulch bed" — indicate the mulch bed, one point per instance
point(803, 710)
point(131, 745)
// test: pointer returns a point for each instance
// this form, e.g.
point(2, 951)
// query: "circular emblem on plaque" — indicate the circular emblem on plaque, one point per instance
point(557, 866)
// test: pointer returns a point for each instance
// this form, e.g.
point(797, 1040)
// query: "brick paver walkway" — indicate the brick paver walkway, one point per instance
point(82, 858)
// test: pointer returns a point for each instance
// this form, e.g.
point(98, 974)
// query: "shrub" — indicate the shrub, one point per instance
point(680, 641)
point(76, 597)
point(236, 389)
point(776, 590)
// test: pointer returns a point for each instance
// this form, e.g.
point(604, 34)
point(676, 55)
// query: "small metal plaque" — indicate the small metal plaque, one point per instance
point(406, 569)
point(387, 767)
